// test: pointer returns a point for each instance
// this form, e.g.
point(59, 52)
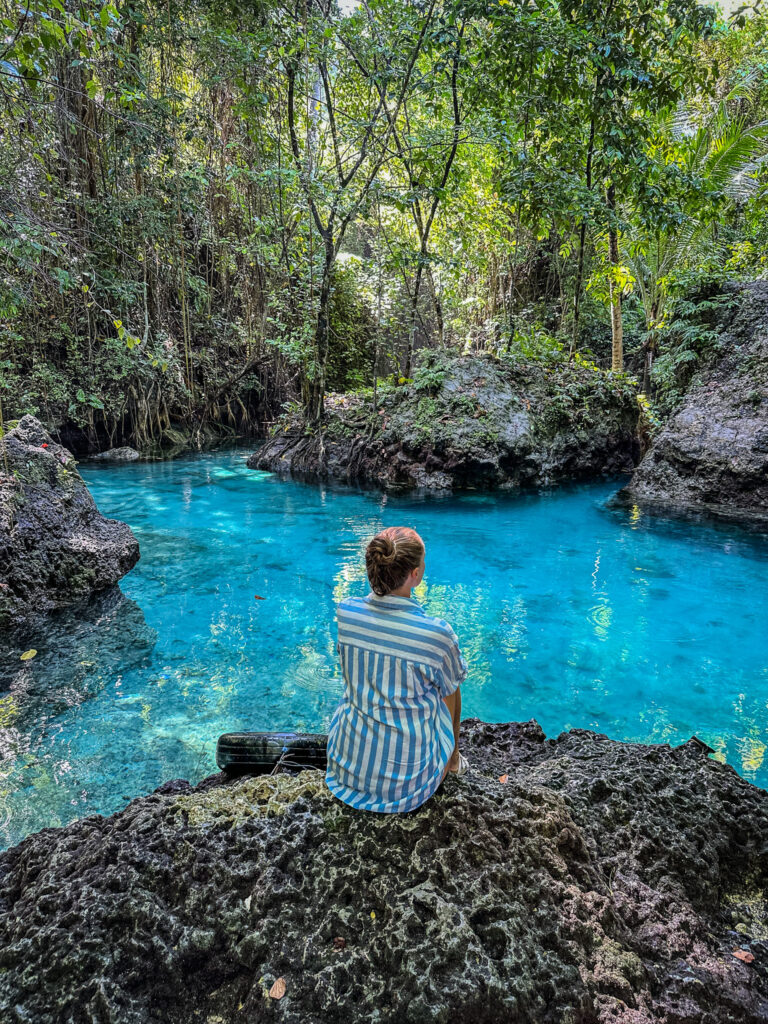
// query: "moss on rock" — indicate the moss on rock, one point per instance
point(471, 421)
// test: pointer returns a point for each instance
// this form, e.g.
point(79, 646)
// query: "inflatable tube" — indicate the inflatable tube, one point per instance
point(257, 753)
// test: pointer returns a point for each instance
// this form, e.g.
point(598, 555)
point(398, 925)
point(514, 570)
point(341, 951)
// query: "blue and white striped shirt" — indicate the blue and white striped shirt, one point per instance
point(391, 737)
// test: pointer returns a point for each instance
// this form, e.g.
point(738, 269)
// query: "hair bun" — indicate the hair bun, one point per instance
point(391, 556)
point(382, 550)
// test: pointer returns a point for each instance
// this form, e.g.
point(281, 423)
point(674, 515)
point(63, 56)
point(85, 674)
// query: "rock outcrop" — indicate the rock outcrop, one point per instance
point(124, 454)
point(568, 881)
point(712, 455)
point(55, 546)
point(470, 421)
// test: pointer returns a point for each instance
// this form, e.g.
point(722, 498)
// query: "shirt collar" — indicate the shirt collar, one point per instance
point(394, 599)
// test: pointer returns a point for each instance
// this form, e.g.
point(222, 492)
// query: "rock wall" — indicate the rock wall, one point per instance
point(712, 455)
point(568, 881)
point(471, 422)
point(55, 546)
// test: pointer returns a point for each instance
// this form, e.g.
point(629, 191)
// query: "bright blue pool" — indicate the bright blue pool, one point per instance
point(569, 611)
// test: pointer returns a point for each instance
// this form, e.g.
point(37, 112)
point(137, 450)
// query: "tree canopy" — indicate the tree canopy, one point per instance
point(210, 209)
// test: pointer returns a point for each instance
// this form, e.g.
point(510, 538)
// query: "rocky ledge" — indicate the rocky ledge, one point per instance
point(470, 421)
point(124, 454)
point(572, 881)
point(55, 546)
point(712, 455)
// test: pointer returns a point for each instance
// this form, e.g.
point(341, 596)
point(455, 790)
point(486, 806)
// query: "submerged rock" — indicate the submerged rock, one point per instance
point(118, 455)
point(55, 546)
point(712, 455)
point(602, 882)
point(471, 421)
point(81, 650)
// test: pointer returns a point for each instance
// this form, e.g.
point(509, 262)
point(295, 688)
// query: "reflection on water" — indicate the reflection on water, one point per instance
point(570, 609)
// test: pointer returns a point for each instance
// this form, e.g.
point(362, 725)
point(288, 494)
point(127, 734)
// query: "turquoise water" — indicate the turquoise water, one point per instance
point(569, 611)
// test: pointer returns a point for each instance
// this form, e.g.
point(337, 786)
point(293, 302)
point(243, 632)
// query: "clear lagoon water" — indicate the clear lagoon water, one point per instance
point(569, 609)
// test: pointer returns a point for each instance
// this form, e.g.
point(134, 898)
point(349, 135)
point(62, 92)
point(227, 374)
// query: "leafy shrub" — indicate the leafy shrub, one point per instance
point(350, 357)
point(688, 341)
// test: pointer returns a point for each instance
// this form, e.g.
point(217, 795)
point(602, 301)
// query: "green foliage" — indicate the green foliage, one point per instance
point(350, 361)
point(533, 341)
point(428, 379)
point(183, 246)
point(648, 413)
point(691, 339)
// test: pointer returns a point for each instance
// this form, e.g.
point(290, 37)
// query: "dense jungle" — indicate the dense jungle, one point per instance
point(216, 212)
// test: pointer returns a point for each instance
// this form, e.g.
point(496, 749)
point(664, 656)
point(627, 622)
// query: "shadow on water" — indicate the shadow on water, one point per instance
point(78, 650)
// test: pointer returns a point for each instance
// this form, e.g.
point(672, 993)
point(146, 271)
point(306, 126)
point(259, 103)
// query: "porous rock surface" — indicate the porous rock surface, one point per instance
point(55, 545)
point(470, 421)
point(712, 455)
point(123, 454)
point(601, 883)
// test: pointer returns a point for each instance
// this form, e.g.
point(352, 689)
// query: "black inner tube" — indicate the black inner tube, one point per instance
point(257, 753)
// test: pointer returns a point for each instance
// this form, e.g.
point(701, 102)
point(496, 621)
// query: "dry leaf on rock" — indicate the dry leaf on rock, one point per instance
point(278, 989)
point(743, 954)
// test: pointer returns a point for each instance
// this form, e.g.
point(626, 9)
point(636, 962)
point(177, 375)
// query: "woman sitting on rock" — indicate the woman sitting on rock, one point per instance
point(395, 735)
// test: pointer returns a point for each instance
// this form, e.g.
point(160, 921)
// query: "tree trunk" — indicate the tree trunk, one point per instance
point(316, 386)
point(438, 308)
point(617, 329)
point(414, 316)
point(582, 241)
point(649, 350)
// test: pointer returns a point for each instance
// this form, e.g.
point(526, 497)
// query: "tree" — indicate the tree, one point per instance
point(358, 86)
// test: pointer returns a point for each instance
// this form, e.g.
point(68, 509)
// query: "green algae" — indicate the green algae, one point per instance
point(264, 796)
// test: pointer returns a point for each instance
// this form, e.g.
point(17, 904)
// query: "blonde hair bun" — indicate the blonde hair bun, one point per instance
point(391, 556)
point(382, 549)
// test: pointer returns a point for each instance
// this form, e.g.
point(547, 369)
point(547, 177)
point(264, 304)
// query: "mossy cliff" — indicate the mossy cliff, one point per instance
point(470, 421)
point(712, 455)
point(568, 881)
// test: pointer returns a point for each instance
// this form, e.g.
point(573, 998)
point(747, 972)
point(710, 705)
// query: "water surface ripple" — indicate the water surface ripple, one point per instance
point(569, 610)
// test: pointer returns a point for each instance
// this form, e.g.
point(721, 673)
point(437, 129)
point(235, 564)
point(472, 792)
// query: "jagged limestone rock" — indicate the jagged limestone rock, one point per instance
point(471, 421)
point(124, 454)
point(55, 546)
point(599, 884)
point(712, 454)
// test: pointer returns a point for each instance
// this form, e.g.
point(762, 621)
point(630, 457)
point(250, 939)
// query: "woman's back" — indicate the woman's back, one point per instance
point(392, 735)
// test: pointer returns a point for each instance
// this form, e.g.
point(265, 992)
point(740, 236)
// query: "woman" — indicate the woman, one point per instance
point(395, 734)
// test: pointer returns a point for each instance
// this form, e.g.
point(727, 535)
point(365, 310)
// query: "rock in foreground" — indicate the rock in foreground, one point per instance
point(712, 455)
point(55, 546)
point(602, 883)
point(471, 421)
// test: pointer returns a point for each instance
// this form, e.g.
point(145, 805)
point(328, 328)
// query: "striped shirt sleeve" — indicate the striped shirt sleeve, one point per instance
point(453, 668)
